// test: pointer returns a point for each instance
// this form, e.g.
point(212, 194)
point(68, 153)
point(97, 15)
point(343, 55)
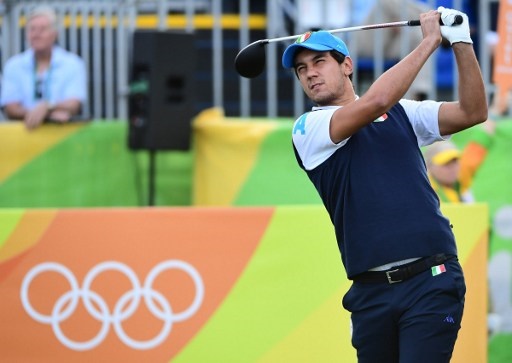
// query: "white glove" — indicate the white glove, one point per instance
point(454, 33)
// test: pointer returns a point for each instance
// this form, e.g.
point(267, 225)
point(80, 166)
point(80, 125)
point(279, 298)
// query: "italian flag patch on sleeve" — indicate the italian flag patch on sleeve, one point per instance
point(437, 270)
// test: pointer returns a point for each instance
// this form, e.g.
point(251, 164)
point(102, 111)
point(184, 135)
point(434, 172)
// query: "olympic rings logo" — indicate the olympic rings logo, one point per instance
point(124, 308)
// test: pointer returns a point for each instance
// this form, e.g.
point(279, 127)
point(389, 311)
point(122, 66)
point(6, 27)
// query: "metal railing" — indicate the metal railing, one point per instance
point(100, 32)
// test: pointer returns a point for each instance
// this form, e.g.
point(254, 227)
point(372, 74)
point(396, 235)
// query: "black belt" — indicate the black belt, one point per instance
point(404, 272)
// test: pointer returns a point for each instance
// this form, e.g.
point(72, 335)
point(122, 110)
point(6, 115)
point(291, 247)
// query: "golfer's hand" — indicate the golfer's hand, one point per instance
point(430, 26)
point(454, 33)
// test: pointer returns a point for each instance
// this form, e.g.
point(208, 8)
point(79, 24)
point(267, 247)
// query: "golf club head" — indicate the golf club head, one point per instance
point(250, 61)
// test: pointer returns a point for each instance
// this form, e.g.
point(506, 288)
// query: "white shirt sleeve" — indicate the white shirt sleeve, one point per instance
point(312, 139)
point(424, 118)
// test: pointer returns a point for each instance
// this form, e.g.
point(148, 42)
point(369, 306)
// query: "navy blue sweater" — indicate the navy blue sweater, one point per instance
point(377, 193)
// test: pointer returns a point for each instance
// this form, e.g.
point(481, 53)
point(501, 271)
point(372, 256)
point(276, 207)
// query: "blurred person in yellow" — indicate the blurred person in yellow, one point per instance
point(45, 82)
point(451, 171)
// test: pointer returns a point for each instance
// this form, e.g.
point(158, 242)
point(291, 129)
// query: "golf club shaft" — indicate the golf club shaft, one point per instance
point(363, 27)
point(346, 30)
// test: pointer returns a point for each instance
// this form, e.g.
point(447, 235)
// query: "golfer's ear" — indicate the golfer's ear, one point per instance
point(349, 66)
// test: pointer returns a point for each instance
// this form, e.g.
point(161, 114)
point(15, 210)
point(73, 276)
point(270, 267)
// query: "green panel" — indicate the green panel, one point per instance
point(500, 349)
point(276, 178)
point(92, 168)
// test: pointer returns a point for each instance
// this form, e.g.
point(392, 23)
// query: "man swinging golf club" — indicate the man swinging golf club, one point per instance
point(363, 156)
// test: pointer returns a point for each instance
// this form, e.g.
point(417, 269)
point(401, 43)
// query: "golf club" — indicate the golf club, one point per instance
point(250, 61)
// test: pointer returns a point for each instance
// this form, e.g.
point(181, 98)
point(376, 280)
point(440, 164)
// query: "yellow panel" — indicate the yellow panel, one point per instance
point(471, 228)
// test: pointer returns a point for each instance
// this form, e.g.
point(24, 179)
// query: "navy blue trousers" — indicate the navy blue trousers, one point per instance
point(413, 321)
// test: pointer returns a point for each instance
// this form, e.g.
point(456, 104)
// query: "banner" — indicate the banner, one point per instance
point(502, 75)
point(191, 285)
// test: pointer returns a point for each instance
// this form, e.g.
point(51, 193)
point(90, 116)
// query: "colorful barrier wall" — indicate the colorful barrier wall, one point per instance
point(235, 162)
point(260, 284)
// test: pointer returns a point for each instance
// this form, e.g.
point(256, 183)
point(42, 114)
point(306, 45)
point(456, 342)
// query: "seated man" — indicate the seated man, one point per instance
point(44, 82)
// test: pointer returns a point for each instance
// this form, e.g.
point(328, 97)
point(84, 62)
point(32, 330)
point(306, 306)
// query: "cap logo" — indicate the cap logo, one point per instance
point(303, 37)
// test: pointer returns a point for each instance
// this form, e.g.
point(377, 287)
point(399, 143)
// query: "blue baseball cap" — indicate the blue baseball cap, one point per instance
point(320, 41)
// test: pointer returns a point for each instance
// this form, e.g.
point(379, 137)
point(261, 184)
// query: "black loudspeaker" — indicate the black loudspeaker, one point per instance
point(161, 99)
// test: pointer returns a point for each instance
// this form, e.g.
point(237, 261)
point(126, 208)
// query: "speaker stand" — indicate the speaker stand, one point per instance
point(151, 177)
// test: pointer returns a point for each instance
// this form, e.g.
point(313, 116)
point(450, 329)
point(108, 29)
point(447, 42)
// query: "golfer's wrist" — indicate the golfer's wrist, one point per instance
point(462, 41)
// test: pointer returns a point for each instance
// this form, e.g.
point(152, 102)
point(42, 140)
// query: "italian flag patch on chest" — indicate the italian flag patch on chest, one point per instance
point(382, 118)
point(437, 270)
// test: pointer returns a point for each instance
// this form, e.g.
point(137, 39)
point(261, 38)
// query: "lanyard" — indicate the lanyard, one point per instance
point(41, 84)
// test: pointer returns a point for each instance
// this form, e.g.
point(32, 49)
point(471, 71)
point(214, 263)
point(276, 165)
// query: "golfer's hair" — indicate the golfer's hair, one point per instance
point(46, 11)
point(338, 57)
